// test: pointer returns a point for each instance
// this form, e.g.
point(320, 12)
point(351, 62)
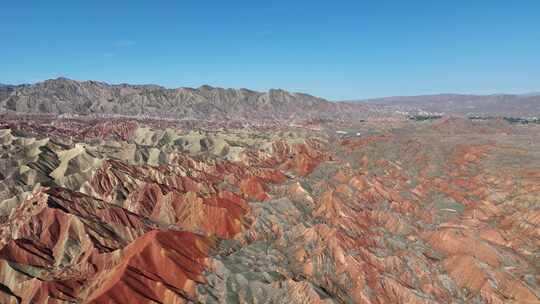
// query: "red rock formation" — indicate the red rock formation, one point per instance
point(161, 266)
point(253, 188)
point(110, 129)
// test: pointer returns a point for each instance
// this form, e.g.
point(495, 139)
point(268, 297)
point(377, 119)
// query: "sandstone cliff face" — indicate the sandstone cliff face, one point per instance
point(133, 212)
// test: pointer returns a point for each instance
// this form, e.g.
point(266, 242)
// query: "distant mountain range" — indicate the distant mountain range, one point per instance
point(524, 105)
point(65, 96)
point(531, 94)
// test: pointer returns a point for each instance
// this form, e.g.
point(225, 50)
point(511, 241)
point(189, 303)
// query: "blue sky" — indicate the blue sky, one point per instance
point(334, 49)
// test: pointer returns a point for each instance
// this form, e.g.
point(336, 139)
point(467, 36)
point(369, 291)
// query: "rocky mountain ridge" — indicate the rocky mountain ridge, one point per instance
point(65, 96)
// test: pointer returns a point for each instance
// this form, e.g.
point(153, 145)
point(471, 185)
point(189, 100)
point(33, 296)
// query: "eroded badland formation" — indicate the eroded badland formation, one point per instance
point(246, 197)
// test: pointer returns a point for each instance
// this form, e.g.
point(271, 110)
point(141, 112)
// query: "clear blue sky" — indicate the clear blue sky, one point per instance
point(333, 49)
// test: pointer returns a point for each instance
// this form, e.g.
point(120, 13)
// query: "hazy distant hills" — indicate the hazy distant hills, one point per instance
point(65, 96)
point(61, 96)
point(525, 105)
point(531, 94)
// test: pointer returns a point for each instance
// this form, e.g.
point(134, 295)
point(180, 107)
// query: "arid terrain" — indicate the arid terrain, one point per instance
point(510, 105)
point(249, 197)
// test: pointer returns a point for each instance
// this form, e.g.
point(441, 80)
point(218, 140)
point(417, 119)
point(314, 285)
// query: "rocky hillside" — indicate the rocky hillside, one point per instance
point(65, 96)
point(5, 90)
